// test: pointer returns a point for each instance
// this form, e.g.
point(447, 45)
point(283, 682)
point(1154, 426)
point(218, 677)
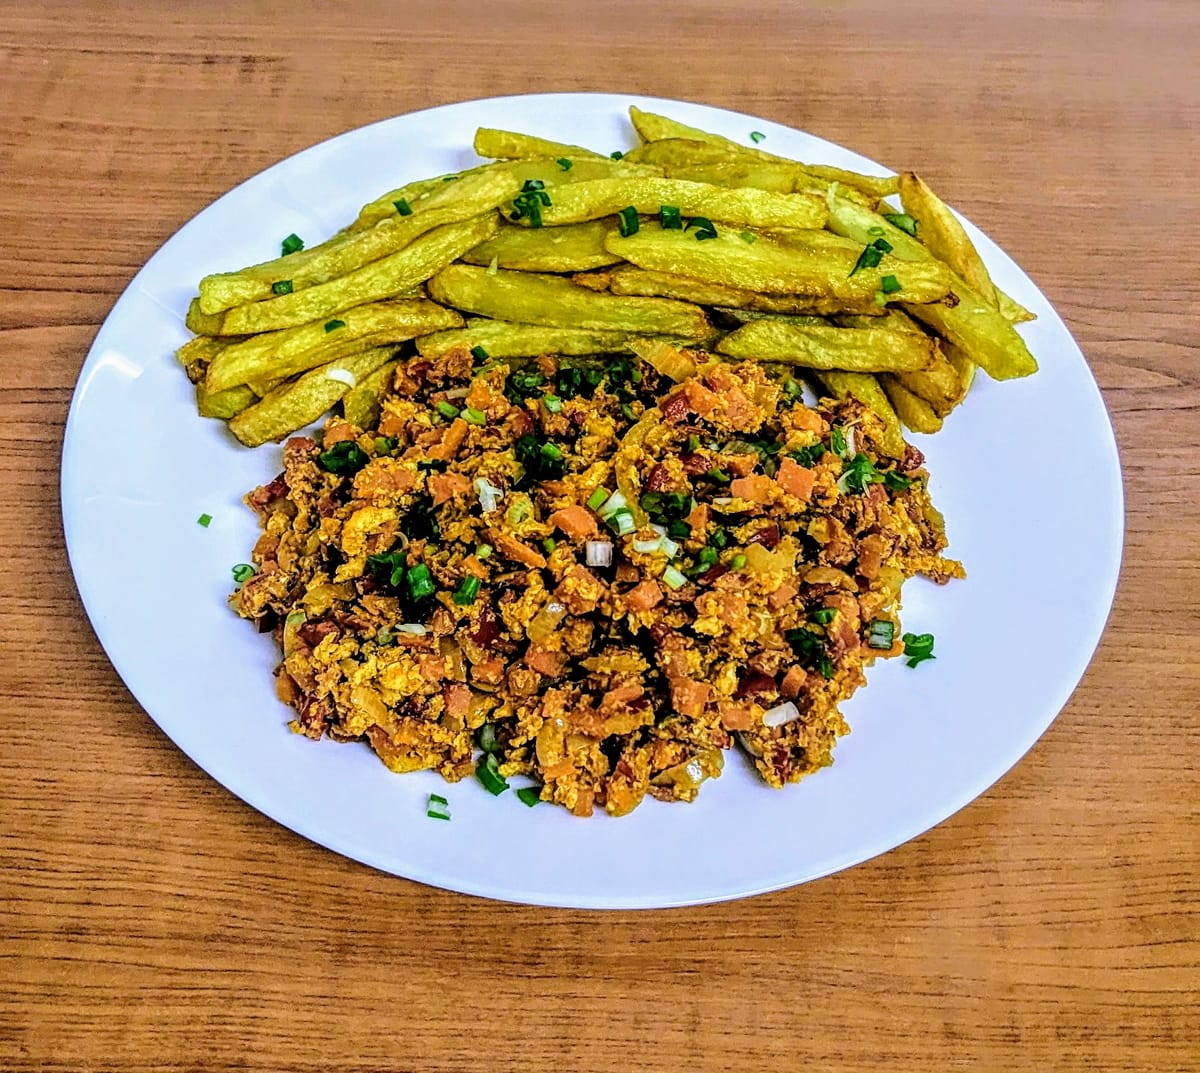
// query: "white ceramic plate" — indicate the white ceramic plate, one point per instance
point(1026, 473)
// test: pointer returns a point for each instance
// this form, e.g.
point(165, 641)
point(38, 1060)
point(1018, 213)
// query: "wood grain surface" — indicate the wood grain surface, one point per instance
point(151, 921)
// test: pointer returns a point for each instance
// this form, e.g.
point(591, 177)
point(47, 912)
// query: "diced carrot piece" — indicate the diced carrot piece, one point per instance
point(458, 700)
point(445, 486)
point(698, 519)
point(795, 479)
point(756, 488)
point(700, 399)
point(511, 548)
point(576, 521)
point(735, 716)
point(793, 682)
point(688, 696)
point(783, 595)
point(544, 661)
point(451, 441)
point(803, 417)
point(614, 698)
point(338, 432)
point(643, 596)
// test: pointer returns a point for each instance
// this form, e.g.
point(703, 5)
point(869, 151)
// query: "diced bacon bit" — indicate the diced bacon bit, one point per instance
point(793, 682)
point(783, 595)
point(913, 459)
point(795, 479)
point(511, 548)
point(458, 700)
point(482, 396)
point(445, 486)
point(432, 668)
point(558, 769)
point(701, 400)
point(627, 572)
point(338, 432)
point(313, 716)
point(519, 422)
point(312, 633)
point(577, 522)
point(266, 547)
point(390, 423)
point(675, 407)
point(803, 417)
point(697, 462)
point(742, 413)
point(263, 496)
point(753, 683)
point(643, 596)
point(755, 488)
point(698, 519)
point(583, 803)
point(474, 567)
point(487, 629)
point(735, 716)
point(623, 769)
point(450, 442)
point(710, 575)
point(490, 672)
point(767, 536)
point(285, 687)
point(739, 465)
point(297, 450)
point(659, 478)
point(620, 697)
point(545, 661)
point(688, 696)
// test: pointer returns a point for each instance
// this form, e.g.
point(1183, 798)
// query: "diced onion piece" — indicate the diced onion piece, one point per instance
point(668, 547)
point(673, 579)
point(458, 393)
point(489, 494)
point(780, 714)
point(665, 358)
point(722, 501)
point(622, 521)
point(545, 622)
point(851, 442)
point(648, 547)
point(415, 628)
point(599, 553)
point(342, 376)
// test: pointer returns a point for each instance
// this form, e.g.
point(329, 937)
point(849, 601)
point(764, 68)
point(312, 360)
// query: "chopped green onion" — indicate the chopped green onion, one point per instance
point(384, 636)
point(420, 582)
point(757, 136)
point(437, 465)
point(825, 667)
point(488, 773)
point(552, 403)
point(718, 538)
point(385, 445)
point(807, 456)
point(615, 155)
point(718, 475)
point(552, 450)
point(449, 178)
point(282, 286)
point(704, 228)
point(793, 389)
point(669, 215)
point(823, 616)
point(679, 530)
point(882, 245)
point(345, 458)
point(737, 562)
point(622, 521)
point(549, 544)
point(447, 409)
point(627, 221)
point(896, 482)
point(693, 444)
point(479, 354)
point(243, 572)
point(869, 258)
point(857, 473)
point(889, 284)
point(837, 441)
point(563, 163)
point(529, 795)
point(483, 551)
point(597, 499)
point(334, 325)
point(486, 737)
point(627, 412)
point(473, 416)
point(673, 579)
point(903, 221)
point(918, 647)
point(292, 244)
point(748, 237)
point(881, 633)
point(389, 565)
point(876, 231)
point(437, 807)
point(403, 207)
point(205, 520)
point(467, 591)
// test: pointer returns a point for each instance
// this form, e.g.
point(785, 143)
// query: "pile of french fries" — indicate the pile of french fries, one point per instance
point(691, 238)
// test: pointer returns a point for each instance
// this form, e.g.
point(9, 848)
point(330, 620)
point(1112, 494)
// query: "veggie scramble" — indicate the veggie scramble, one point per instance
point(601, 577)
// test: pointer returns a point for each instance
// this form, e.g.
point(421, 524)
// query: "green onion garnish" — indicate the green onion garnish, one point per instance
point(704, 228)
point(837, 441)
point(793, 389)
point(483, 551)
point(486, 737)
point(869, 258)
point(757, 136)
point(615, 155)
point(385, 445)
point(627, 221)
point(552, 403)
point(881, 633)
point(896, 482)
point(292, 244)
point(563, 163)
point(903, 221)
point(552, 450)
point(473, 416)
point(823, 616)
point(671, 220)
point(384, 636)
point(479, 354)
point(488, 773)
point(403, 207)
point(876, 231)
point(447, 409)
point(918, 647)
point(438, 465)
point(243, 572)
point(737, 562)
point(889, 284)
point(672, 578)
point(204, 520)
point(825, 667)
point(437, 807)
point(345, 459)
point(282, 286)
point(334, 325)
point(748, 237)
point(718, 475)
point(529, 795)
point(420, 582)
point(466, 592)
point(622, 521)
point(597, 498)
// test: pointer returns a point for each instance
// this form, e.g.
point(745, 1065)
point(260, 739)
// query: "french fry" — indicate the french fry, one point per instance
point(825, 270)
point(360, 405)
point(223, 404)
point(282, 354)
point(298, 402)
point(509, 145)
point(654, 128)
point(913, 410)
point(349, 251)
point(528, 298)
point(974, 326)
point(571, 248)
point(863, 350)
point(633, 281)
point(744, 207)
point(1012, 310)
point(876, 186)
point(381, 279)
point(866, 388)
point(963, 365)
point(504, 339)
point(197, 353)
point(202, 323)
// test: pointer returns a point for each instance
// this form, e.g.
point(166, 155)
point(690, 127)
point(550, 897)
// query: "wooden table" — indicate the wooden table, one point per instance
point(151, 921)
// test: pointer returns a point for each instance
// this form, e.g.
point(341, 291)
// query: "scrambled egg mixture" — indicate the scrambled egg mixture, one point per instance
point(600, 577)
